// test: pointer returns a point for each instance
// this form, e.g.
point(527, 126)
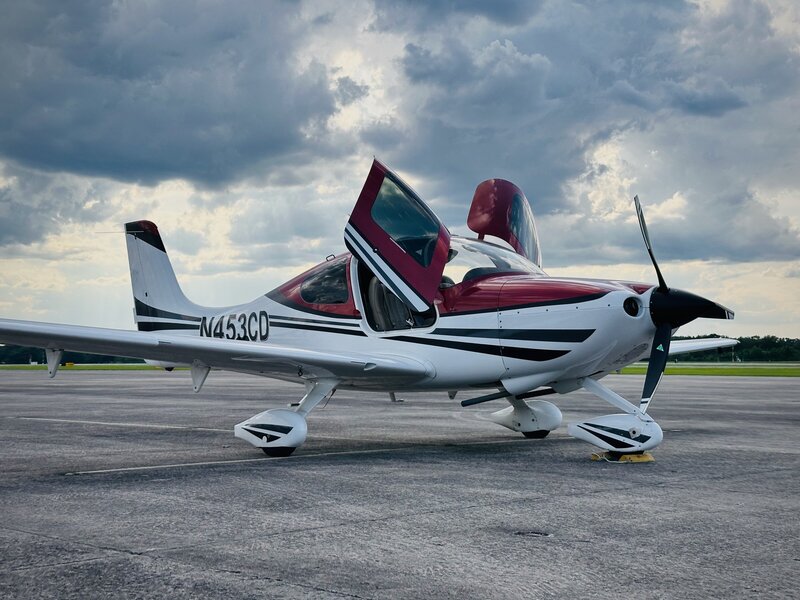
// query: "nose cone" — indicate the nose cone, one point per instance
point(677, 307)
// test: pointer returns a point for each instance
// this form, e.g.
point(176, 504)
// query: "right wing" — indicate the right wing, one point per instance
point(683, 346)
point(251, 357)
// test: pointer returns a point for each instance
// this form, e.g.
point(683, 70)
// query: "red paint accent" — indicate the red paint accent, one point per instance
point(506, 291)
point(424, 280)
point(291, 291)
point(490, 213)
point(147, 232)
point(634, 286)
point(481, 293)
point(524, 289)
point(639, 288)
point(149, 226)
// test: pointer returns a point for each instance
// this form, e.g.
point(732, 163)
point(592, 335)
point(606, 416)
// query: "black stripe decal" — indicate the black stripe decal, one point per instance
point(271, 427)
point(317, 328)
point(138, 230)
point(536, 335)
point(276, 296)
point(318, 321)
point(575, 300)
point(534, 354)
point(145, 310)
point(609, 440)
point(261, 434)
point(352, 243)
point(153, 326)
point(620, 432)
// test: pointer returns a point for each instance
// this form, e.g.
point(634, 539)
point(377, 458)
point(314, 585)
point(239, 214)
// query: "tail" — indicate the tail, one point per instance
point(159, 302)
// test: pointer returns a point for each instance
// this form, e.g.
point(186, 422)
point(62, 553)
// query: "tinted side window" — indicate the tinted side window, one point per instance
point(328, 286)
point(521, 225)
point(407, 221)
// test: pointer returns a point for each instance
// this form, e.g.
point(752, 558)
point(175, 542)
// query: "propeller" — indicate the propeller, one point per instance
point(669, 309)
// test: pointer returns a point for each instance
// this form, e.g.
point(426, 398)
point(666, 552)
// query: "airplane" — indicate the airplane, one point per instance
point(413, 307)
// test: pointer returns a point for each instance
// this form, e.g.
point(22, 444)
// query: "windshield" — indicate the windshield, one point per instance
point(474, 258)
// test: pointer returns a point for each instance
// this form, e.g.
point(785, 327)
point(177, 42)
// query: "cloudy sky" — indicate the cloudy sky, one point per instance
point(245, 131)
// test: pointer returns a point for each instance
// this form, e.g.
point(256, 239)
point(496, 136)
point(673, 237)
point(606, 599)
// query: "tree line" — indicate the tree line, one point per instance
point(768, 348)
point(23, 355)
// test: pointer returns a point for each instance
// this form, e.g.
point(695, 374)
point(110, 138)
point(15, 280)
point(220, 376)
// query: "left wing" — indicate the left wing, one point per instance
point(252, 357)
point(684, 346)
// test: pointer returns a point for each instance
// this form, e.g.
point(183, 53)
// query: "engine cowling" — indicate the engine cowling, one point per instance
point(621, 433)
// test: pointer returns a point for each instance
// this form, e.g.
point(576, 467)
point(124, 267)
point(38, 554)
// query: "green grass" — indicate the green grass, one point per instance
point(104, 367)
point(724, 369)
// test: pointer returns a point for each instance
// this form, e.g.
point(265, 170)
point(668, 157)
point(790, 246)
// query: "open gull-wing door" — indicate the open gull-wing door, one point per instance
point(499, 208)
point(394, 233)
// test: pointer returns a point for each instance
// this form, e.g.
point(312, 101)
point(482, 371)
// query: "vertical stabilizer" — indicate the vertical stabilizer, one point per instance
point(159, 302)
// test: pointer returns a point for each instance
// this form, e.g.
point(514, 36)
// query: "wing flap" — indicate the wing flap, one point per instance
point(254, 357)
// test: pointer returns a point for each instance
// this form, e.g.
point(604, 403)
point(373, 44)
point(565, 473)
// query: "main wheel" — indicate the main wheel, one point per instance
point(536, 435)
point(278, 451)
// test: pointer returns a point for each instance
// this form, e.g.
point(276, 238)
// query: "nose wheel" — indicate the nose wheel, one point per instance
point(633, 432)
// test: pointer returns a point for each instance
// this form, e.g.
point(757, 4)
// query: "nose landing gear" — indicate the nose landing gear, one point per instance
point(633, 432)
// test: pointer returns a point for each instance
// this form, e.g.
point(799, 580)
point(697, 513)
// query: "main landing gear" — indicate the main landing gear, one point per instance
point(533, 419)
point(624, 437)
point(280, 431)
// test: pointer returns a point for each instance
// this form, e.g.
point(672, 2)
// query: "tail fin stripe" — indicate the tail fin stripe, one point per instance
point(147, 232)
point(145, 310)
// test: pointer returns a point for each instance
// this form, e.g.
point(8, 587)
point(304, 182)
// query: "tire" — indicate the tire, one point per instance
point(278, 451)
point(534, 435)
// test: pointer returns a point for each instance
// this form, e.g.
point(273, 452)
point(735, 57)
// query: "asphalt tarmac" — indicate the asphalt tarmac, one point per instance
point(128, 485)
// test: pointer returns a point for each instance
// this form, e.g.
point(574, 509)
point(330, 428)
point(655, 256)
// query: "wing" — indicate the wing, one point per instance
point(251, 357)
point(684, 346)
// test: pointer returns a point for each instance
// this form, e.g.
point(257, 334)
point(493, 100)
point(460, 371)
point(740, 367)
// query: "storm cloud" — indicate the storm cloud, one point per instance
point(150, 91)
point(248, 127)
point(534, 104)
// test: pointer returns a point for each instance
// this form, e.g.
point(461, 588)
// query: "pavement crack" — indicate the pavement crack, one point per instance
point(64, 540)
point(64, 563)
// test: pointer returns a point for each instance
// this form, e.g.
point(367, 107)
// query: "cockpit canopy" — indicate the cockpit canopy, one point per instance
point(499, 208)
point(406, 247)
point(470, 259)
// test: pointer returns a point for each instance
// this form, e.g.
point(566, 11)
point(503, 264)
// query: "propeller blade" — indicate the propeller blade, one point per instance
point(662, 285)
point(677, 308)
point(669, 309)
point(656, 365)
